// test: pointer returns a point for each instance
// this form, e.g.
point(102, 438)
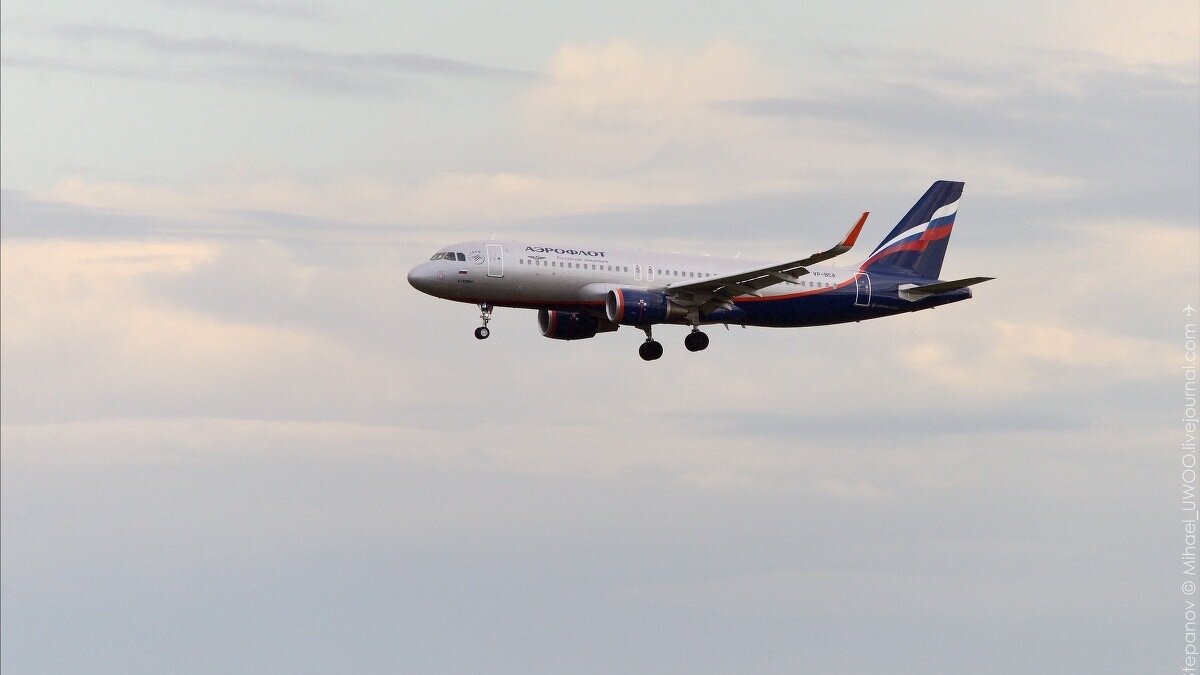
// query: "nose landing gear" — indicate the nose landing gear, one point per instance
point(485, 310)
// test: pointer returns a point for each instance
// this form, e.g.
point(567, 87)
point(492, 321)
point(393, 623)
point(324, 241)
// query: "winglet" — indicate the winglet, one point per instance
point(852, 236)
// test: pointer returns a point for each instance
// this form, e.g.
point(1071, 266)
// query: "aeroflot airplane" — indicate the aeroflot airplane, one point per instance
point(579, 292)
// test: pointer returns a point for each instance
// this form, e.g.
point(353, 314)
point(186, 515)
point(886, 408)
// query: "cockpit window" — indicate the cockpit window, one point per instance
point(437, 256)
point(462, 257)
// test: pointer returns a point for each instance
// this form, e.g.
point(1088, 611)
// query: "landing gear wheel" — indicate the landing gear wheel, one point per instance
point(650, 350)
point(485, 314)
point(695, 341)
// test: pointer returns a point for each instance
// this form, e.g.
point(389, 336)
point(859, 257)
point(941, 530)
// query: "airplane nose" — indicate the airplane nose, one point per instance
point(419, 278)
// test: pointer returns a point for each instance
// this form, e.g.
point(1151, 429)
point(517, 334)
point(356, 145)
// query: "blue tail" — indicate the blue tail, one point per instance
point(917, 245)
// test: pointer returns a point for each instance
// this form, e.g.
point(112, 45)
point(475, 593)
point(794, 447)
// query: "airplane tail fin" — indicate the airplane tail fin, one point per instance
point(917, 245)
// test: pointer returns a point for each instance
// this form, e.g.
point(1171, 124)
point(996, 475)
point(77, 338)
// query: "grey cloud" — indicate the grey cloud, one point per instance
point(278, 53)
point(1094, 124)
point(222, 61)
point(914, 420)
point(280, 9)
point(31, 218)
point(313, 79)
point(26, 217)
point(1028, 531)
point(369, 563)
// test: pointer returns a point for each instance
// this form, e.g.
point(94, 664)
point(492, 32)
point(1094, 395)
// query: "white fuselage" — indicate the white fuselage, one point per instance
point(536, 275)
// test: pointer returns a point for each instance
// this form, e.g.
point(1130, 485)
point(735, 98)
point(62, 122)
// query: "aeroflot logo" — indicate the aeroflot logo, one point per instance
point(564, 251)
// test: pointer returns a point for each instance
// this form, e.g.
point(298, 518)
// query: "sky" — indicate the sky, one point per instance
point(233, 439)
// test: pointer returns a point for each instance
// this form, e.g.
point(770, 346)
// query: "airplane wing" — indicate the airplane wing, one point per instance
point(720, 290)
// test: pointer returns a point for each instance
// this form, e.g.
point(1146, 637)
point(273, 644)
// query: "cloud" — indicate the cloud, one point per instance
point(652, 134)
point(87, 337)
point(455, 198)
point(1160, 32)
point(1067, 132)
point(620, 86)
point(276, 53)
point(280, 9)
point(1023, 356)
point(225, 413)
point(220, 61)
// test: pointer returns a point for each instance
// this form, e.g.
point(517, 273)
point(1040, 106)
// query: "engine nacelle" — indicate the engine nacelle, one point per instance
point(571, 325)
point(633, 307)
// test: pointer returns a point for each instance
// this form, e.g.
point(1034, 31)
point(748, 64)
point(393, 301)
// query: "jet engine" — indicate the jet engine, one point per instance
point(633, 307)
point(571, 325)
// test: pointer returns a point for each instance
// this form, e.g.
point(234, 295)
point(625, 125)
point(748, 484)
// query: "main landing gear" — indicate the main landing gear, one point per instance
point(696, 341)
point(651, 349)
point(485, 310)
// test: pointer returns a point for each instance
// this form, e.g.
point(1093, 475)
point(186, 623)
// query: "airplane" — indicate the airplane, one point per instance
point(580, 291)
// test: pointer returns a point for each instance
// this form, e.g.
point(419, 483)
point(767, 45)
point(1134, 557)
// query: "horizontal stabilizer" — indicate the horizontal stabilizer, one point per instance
point(914, 293)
